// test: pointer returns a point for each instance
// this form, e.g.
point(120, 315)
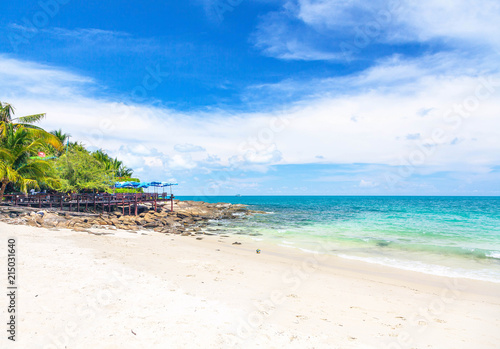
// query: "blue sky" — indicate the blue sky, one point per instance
point(269, 97)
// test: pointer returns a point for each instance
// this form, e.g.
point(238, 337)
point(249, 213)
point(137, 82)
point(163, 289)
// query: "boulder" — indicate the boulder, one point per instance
point(152, 224)
point(33, 223)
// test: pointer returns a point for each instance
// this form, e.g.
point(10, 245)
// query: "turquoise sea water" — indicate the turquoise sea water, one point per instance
point(449, 236)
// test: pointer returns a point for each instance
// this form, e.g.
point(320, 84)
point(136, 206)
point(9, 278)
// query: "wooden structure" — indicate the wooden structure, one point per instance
point(101, 202)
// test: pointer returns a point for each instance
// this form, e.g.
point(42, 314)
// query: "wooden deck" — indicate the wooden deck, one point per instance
point(102, 202)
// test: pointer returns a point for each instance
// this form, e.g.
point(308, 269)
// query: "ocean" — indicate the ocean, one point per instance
point(447, 236)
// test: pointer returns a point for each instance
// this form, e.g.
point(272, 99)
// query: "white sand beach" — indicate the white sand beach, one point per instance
point(150, 290)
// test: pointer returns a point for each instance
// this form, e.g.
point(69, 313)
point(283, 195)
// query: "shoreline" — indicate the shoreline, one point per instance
point(198, 218)
point(418, 263)
point(210, 293)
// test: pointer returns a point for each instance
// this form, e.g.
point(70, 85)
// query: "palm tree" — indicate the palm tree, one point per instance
point(6, 118)
point(109, 163)
point(18, 144)
point(124, 172)
point(63, 137)
point(7, 113)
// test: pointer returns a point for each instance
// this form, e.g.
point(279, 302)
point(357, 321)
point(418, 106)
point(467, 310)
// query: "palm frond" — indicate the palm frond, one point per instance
point(6, 112)
point(46, 137)
point(31, 119)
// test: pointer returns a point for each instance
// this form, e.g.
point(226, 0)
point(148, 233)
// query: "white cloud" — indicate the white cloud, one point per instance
point(367, 184)
point(188, 148)
point(84, 38)
point(30, 78)
point(152, 161)
point(275, 37)
point(386, 110)
point(336, 29)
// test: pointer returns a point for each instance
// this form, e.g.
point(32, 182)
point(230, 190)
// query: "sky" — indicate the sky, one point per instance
point(277, 97)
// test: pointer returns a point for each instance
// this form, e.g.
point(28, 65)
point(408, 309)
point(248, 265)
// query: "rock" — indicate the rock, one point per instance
point(152, 224)
point(236, 243)
point(150, 218)
point(33, 223)
point(62, 224)
point(187, 221)
point(188, 218)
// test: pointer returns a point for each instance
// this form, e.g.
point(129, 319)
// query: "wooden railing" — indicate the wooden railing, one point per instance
point(89, 202)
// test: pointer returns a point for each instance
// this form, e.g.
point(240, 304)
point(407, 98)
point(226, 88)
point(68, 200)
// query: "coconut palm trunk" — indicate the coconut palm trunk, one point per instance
point(2, 189)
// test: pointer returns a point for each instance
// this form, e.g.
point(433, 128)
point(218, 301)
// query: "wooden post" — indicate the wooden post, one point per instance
point(39, 201)
point(171, 203)
point(123, 205)
point(77, 202)
point(109, 204)
point(135, 204)
point(62, 198)
point(94, 202)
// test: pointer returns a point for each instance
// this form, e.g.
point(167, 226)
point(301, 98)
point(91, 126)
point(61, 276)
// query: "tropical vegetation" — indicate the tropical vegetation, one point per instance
point(32, 158)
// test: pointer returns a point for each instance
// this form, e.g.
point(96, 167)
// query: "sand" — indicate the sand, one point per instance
point(149, 290)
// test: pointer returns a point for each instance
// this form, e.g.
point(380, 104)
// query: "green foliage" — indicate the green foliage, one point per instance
point(7, 113)
point(6, 120)
point(112, 164)
point(63, 137)
point(128, 190)
point(127, 179)
point(79, 171)
point(76, 169)
point(18, 144)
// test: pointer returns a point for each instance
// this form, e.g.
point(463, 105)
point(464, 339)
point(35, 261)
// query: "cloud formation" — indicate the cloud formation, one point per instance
point(432, 115)
point(340, 30)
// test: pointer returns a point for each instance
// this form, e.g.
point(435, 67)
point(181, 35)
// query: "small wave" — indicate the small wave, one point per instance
point(483, 275)
point(288, 246)
point(495, 255)
point(306, 250)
